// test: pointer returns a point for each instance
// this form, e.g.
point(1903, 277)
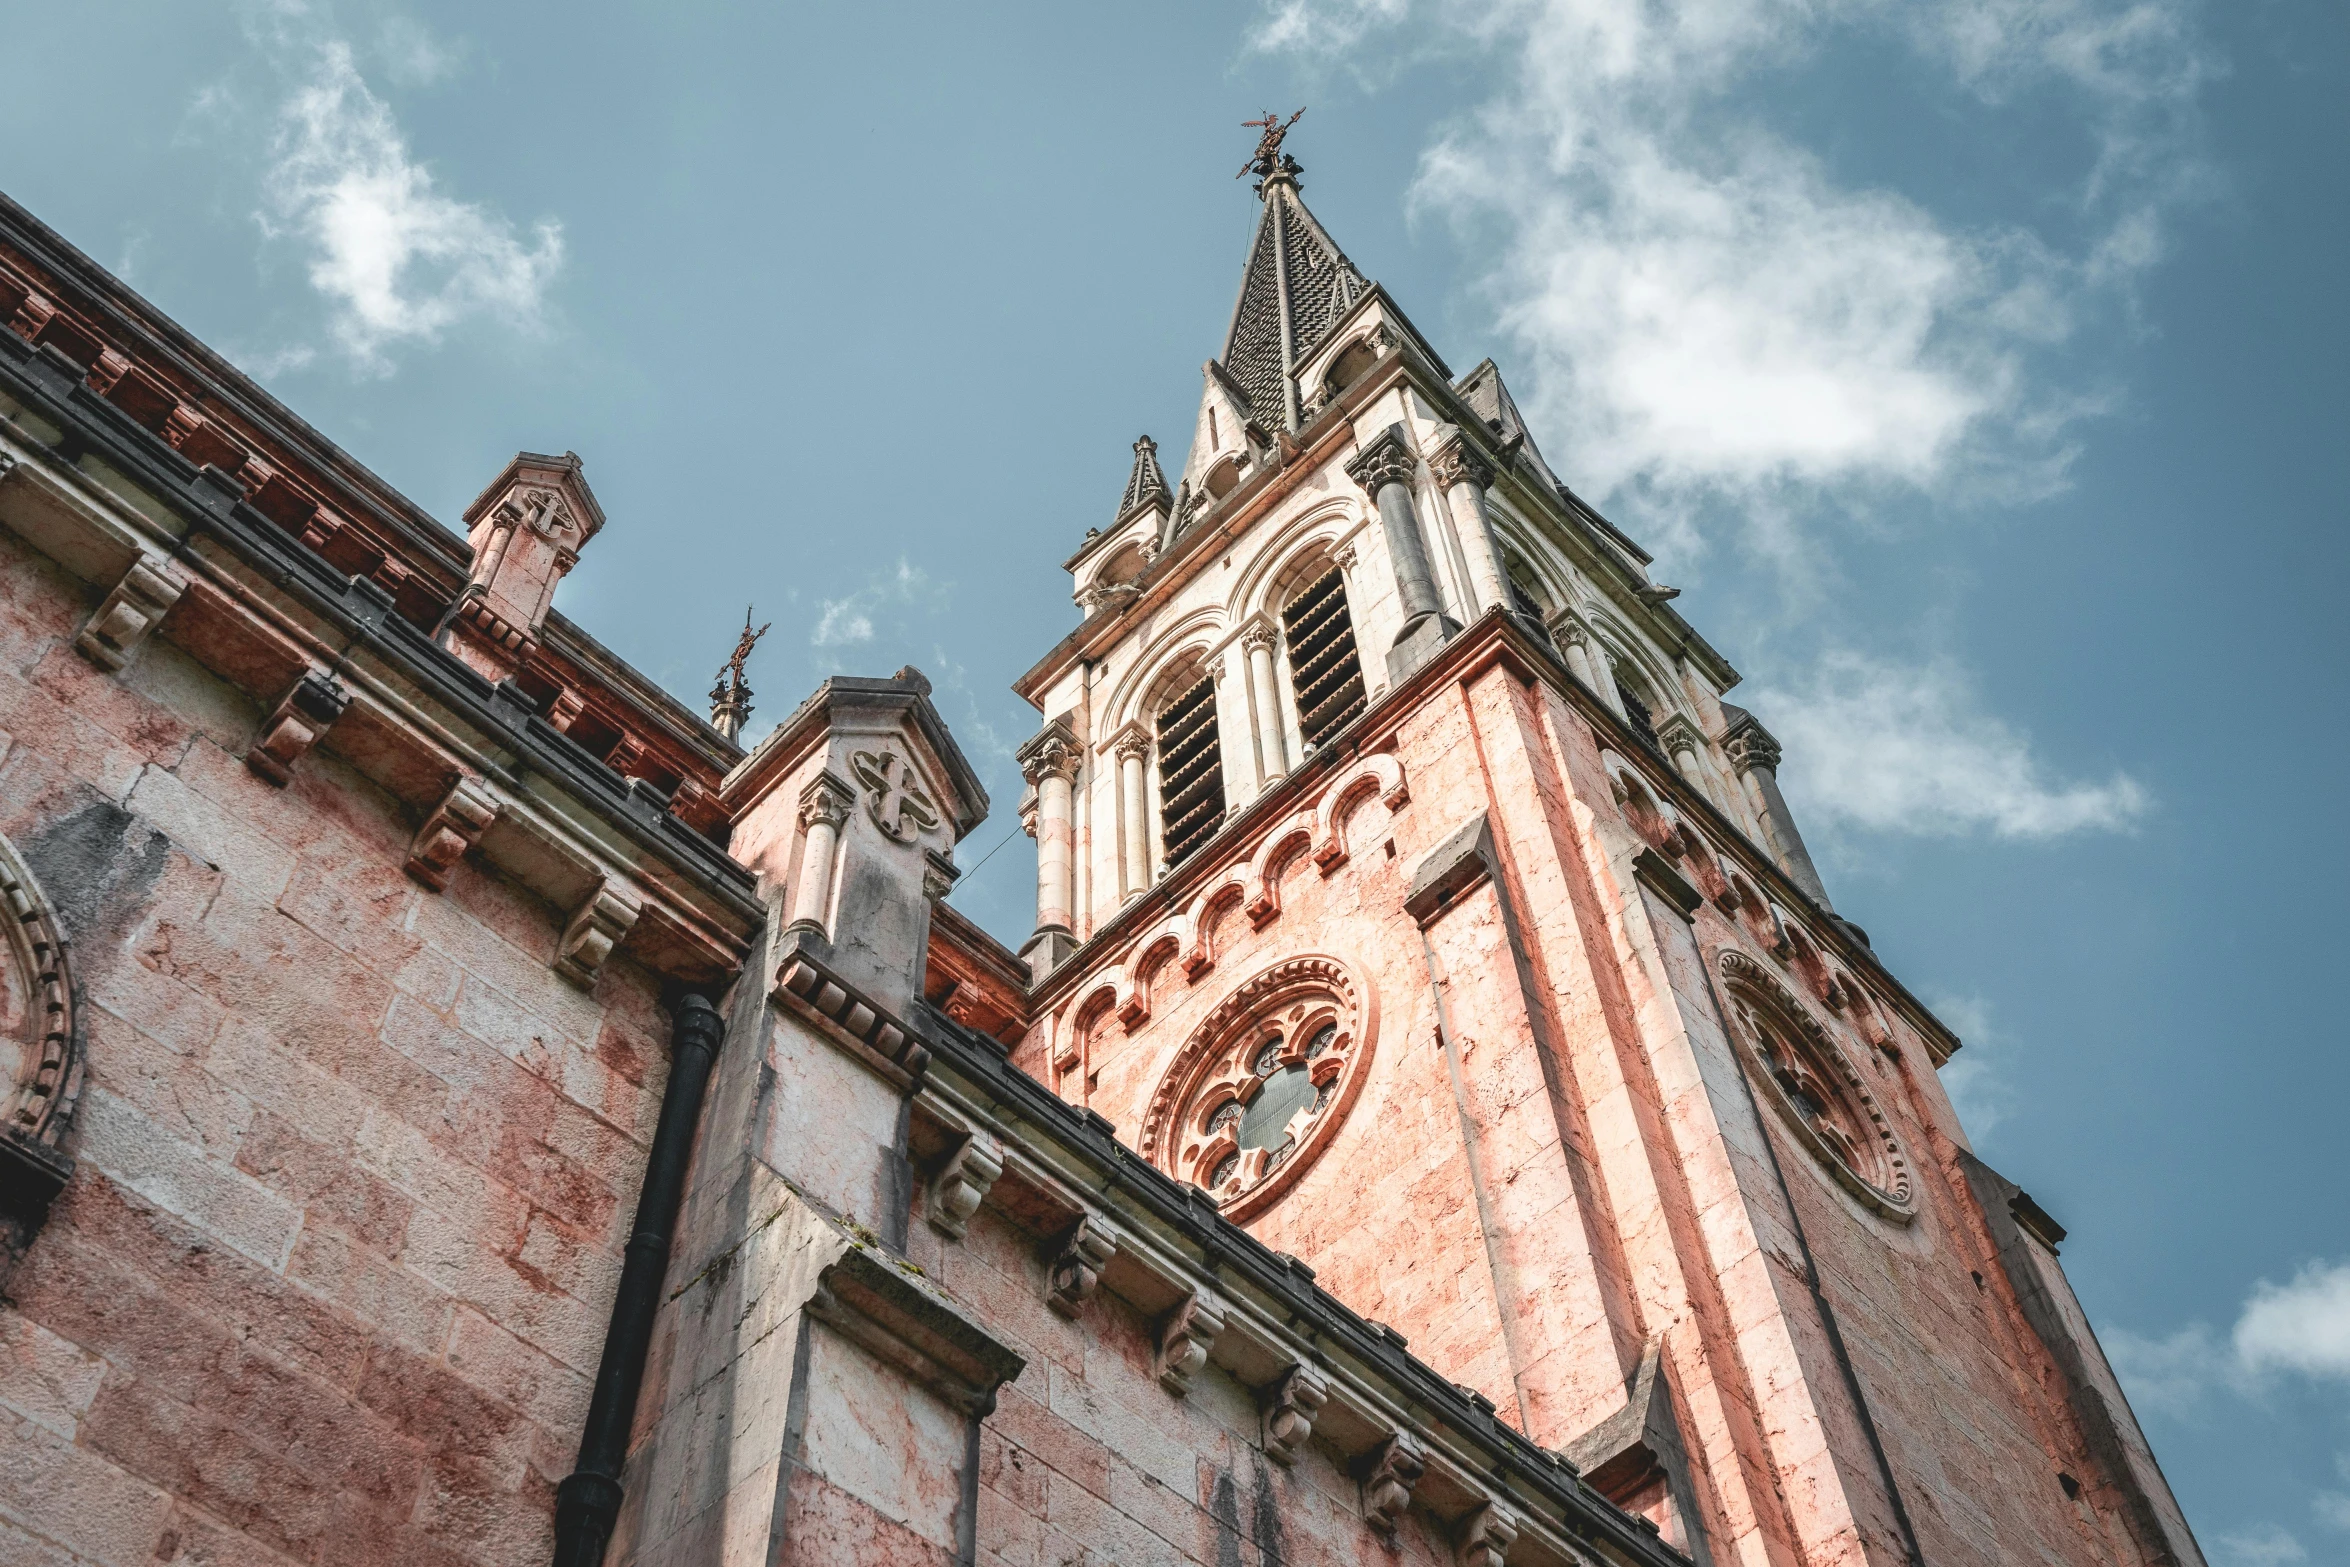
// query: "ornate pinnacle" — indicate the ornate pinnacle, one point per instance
point(730, 698)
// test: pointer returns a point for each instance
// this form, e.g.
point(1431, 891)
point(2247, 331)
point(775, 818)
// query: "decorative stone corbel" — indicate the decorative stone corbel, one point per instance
point(451, 831)
point(962, 1184)
point(1077, 1263)
point(131, 613)
point(1486, 1537)
point(1186, 1337)
point(603, 918)
point(295, 725)
point(1292, 1400)
point(1396, 1467)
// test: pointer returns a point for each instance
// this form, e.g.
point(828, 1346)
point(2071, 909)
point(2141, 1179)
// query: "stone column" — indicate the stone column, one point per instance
point(824, 808)
point(1049, 762)
point(1680, 740)
point(1584, 659)
point(1134, 828)
point(1755, 754)
point(1384, 469)
point(1464, 477)
point(1272, 754)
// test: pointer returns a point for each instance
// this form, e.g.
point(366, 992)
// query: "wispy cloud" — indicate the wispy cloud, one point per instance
point(1885, 746)
point(2265, 1546)
point(397, 260)
point(849, 620)
point(414, 56)
point(1976, 1079)
point(2299, 1329)
point(1703, 309)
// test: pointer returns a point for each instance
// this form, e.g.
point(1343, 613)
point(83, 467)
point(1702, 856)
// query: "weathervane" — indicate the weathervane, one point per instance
point(730, 698)
point(1270, 159)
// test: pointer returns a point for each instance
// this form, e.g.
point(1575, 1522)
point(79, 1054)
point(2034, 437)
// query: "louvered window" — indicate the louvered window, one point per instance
point(1191, 771)
point(1643, 722)
point(1322, 661)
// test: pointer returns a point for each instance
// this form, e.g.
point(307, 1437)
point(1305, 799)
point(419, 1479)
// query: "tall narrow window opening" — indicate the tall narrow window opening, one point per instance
point(1322, 660)
point(1191, 771)
point(1643, 721)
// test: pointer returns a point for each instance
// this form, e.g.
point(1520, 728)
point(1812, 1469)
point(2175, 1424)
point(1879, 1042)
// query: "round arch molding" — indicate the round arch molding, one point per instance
point(1816, 1090)
point(40, 1049)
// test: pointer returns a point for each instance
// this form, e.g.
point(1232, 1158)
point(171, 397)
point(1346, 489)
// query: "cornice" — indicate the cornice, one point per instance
point(306, 614)
point(1175, 1245)
point(903, 697)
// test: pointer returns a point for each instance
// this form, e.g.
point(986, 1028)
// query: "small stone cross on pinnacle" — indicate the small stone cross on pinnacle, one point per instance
point(1269, 159)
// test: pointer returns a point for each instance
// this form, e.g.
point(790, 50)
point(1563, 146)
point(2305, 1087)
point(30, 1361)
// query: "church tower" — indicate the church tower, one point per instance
point(1408, 884)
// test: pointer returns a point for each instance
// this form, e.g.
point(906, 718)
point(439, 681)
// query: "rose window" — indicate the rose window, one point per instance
point(1817, 1090)
point(1256, 1092)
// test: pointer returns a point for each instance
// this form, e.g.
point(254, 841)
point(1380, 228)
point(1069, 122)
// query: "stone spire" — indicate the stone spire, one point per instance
point(1146, 485)
point(1296, 286)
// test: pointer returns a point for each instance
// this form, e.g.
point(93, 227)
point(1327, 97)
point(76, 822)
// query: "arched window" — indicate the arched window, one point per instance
point(1191, 771)
point(1349, 367)
point(1323, 664)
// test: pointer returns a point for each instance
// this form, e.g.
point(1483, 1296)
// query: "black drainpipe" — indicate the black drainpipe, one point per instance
point(588, 1500)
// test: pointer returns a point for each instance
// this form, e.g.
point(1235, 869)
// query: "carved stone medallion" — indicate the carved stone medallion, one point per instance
point(1816, 1089)
point(1257, 1091)
point(894, 795)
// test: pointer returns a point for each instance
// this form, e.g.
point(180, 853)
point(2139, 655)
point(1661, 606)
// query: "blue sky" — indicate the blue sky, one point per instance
point(1978, 369)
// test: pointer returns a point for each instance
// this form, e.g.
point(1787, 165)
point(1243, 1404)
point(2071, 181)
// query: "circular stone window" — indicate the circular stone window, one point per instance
point(1817, 1090)
point(1255, 1094)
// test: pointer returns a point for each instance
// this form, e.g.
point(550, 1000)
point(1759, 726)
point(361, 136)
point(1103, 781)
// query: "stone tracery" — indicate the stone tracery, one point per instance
point(1816, 1089)
point(1257, 1091)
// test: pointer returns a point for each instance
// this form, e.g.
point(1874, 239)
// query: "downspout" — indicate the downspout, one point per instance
point(588, 1500)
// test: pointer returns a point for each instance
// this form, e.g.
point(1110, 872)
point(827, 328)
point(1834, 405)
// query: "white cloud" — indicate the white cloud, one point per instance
point(1702, 310)
point(2302, 1325)
point(2265, 1546)
point(412, 56)
point(842, 623)
point(2333, 1507)
point(1976, 1079)
point(848, 620)
point(398, 260)
point(2171, 1374)
point(1890, 747)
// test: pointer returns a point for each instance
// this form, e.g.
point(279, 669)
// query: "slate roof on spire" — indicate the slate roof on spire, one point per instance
point(1146, 483)
point(1297, 284)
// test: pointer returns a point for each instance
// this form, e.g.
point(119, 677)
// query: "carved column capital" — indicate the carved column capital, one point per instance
point(939, 875)
point(1052, 753)
point(1676, 734)
point(1396, 1467)
point(1260, 634)
point(962, 1184)
point(451, 830)
point(1344, 557)
point(1133, 744)
point(604, 918)
point(1186, 1337)
point(1566, 628)
point(1077, 1263)
point(1387, 460)
point(1456, 462)
point(1291, 1402)
point(1751, 746)
point(826, 801)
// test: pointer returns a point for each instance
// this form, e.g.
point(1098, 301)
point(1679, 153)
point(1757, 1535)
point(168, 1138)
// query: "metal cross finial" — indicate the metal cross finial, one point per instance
point(730, 698)
point(1269, 160)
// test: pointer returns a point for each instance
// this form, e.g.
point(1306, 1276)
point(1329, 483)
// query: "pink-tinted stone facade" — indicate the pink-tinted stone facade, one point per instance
point(353, 1168)
point(1559, 1159)
point(1619, 1217)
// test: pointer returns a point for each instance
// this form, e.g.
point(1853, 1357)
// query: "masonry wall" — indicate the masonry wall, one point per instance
point(354, 1165)
point(1087, 1458)
point(1596, 1169)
